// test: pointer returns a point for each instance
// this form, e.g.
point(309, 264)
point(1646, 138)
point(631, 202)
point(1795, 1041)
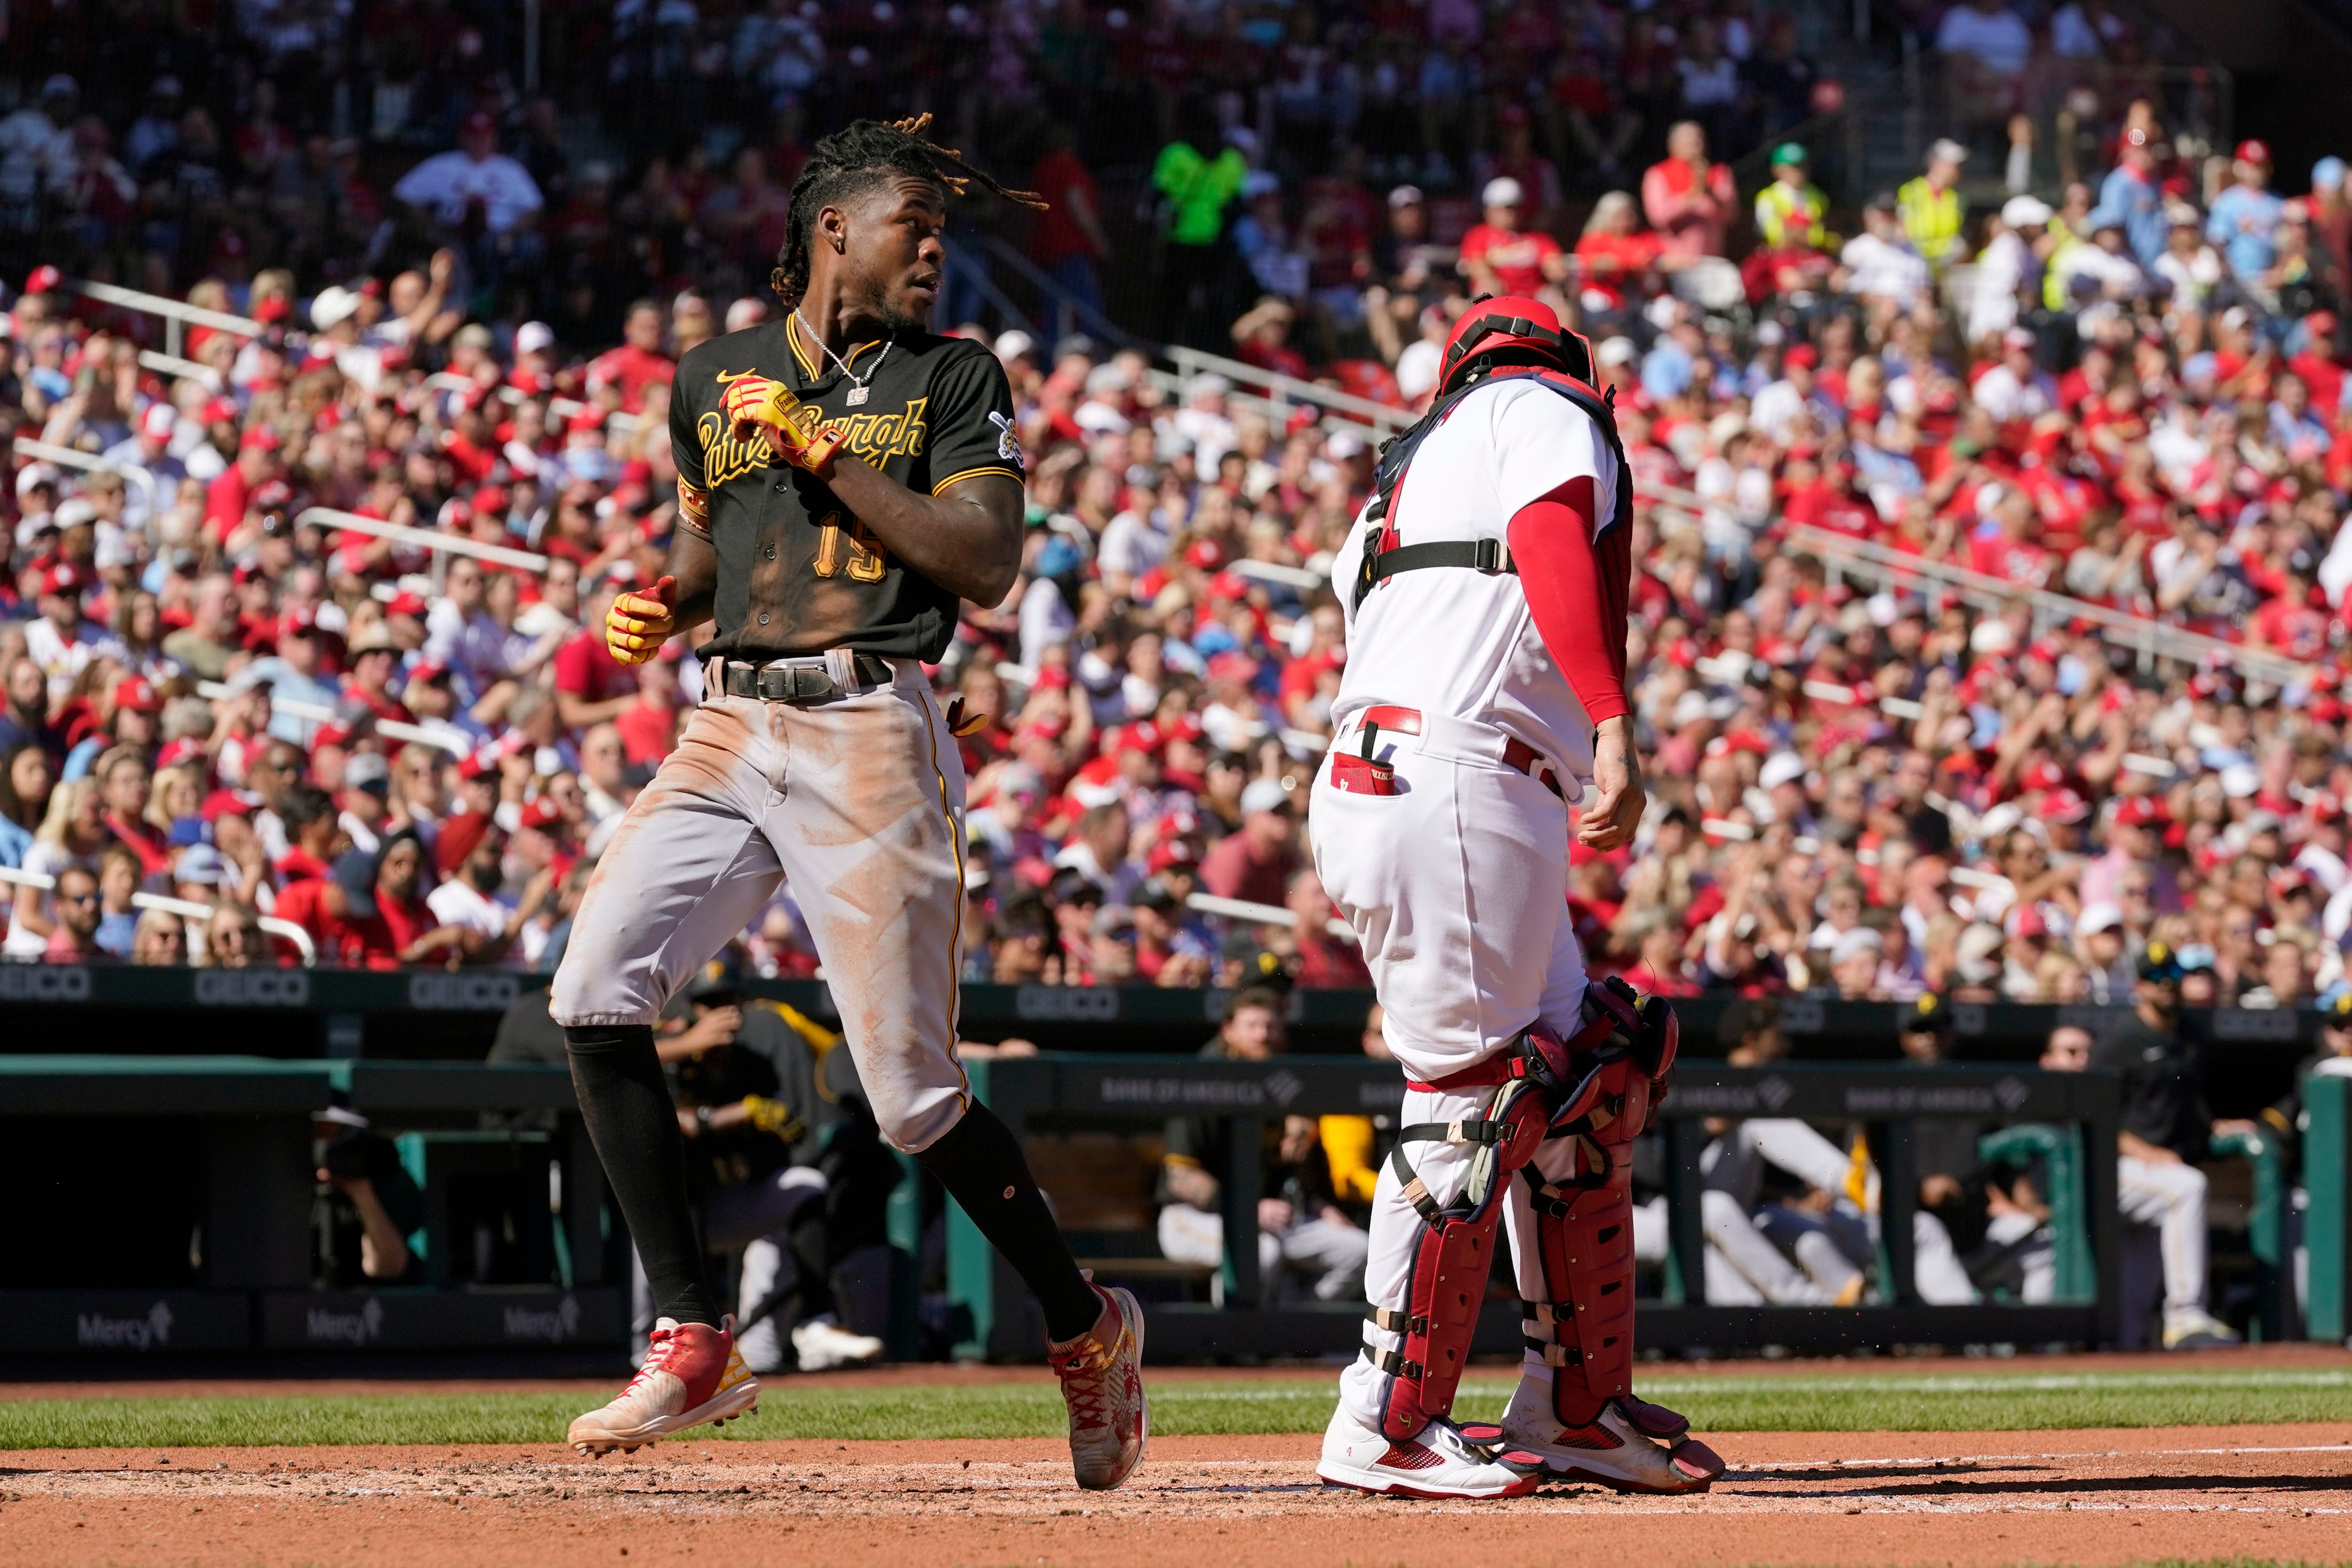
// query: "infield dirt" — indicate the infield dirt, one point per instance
point(2103, 1496)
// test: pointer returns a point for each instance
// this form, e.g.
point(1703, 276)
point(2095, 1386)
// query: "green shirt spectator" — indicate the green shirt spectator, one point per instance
point(1197, 189)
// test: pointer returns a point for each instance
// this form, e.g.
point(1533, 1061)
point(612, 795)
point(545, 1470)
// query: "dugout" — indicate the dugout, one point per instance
point(164, 1194)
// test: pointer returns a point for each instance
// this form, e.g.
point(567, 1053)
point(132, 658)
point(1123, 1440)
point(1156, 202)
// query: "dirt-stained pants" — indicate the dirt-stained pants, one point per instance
point(859, 800)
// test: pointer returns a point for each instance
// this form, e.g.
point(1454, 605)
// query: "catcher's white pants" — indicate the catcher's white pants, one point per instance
point(859, 802)
point(2169, 1196)
point(1457, 889)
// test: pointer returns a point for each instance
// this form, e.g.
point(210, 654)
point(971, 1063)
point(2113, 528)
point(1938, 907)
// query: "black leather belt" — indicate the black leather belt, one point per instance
point(799, 680)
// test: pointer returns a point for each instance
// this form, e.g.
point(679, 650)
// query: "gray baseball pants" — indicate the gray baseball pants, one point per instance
point(859, 802)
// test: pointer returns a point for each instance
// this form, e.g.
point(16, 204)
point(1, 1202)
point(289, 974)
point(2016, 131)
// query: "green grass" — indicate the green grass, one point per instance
point(1992, 1400)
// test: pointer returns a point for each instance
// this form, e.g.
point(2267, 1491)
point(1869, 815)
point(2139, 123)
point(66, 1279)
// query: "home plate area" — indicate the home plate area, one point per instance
point(2117, 1496)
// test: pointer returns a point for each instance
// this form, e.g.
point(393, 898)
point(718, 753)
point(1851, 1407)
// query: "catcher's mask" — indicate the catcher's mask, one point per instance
point(1511, 329)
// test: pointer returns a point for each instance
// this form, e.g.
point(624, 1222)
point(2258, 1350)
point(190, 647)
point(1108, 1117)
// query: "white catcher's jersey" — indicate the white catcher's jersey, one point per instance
point(1455, 640)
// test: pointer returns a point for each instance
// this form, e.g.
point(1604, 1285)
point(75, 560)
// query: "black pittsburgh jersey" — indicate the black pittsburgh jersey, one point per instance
point(797, 572)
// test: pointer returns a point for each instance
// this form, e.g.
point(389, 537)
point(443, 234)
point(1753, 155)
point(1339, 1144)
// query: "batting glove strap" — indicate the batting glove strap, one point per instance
point(818, 456)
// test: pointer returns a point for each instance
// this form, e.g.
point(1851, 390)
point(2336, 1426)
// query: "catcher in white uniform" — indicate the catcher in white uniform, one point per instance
point(1486, 590)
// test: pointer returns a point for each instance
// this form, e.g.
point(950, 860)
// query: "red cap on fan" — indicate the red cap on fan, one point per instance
point(137, 692)
point(1528, 329)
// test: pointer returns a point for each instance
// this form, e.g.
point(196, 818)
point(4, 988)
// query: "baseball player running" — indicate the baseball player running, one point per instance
point(1486, 590)
point(844, 478)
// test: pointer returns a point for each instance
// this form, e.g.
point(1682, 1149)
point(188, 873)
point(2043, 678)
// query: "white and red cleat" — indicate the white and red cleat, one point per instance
point(1435, 1462)
point(692, 1375)
point(1618, 1450)
point(1102, 1382)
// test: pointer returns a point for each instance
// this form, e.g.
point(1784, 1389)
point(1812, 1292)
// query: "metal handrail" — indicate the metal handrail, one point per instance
point(2151, 639)
point(1090, 316)
point(1274, 572)
point(1288, 390)
point(186, 908)
point(450, 380)
point(422, 538)
point(1260, 914)
point(320, 713)
point(89, 463)
point(177, 313)
point(173, 365)
point(171, 310)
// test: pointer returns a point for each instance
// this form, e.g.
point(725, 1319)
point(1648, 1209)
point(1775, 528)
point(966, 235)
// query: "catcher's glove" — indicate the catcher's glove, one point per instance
point(758, 408)
point(639, 624)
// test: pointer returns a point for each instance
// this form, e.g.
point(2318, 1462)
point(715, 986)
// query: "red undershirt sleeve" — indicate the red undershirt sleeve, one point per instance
point(1577, 591)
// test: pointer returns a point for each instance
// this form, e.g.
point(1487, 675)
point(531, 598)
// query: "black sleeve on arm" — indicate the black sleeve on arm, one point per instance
point(970, 422)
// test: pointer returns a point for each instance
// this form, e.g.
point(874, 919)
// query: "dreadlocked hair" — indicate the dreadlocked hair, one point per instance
point(847, 160)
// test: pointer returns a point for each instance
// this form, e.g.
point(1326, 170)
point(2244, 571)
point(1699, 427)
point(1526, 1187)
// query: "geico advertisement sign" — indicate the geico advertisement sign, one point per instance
point(44, 983)
point(429, 991)
point(253, 989)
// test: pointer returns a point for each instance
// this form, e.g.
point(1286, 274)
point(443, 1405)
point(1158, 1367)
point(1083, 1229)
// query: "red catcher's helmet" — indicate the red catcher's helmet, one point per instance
point(1511, 328)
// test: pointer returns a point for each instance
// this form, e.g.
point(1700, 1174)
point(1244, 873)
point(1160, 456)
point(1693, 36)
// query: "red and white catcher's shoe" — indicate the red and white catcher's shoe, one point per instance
point(1102, 1382)
point(1435, 1462)
point(1647, 1450)
point(691, 1375)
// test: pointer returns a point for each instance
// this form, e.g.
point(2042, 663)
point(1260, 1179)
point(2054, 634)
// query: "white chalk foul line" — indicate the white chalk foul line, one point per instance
point(2075, 1454)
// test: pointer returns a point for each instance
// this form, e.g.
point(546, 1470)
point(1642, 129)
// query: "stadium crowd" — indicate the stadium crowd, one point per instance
point(2131, 397)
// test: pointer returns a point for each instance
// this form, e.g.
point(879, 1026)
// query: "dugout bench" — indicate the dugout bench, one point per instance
point(245, 1123)
point(2076, 1112)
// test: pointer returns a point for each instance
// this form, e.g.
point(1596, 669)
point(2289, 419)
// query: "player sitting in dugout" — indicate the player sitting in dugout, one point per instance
point(1303, 1232)
point(755, 1126)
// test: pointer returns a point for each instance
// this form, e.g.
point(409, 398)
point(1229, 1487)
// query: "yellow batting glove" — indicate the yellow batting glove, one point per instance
point(758, 407)
point(639, 624)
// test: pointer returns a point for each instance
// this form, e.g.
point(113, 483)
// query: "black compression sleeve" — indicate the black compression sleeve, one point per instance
point(980, 1165)
point(626, 1102)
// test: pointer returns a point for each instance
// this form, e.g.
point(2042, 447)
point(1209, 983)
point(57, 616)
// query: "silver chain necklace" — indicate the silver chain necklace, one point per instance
point(857, 385)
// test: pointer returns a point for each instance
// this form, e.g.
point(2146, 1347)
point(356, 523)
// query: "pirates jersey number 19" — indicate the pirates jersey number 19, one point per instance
point(797, 572)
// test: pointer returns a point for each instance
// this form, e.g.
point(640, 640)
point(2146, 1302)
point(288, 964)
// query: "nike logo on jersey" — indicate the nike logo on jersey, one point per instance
point(726, 378)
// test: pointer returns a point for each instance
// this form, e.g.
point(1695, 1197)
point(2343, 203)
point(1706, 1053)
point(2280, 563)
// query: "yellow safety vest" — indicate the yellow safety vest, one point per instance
point(1791, 211)
point(1932, 219)
point(2056, 273)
